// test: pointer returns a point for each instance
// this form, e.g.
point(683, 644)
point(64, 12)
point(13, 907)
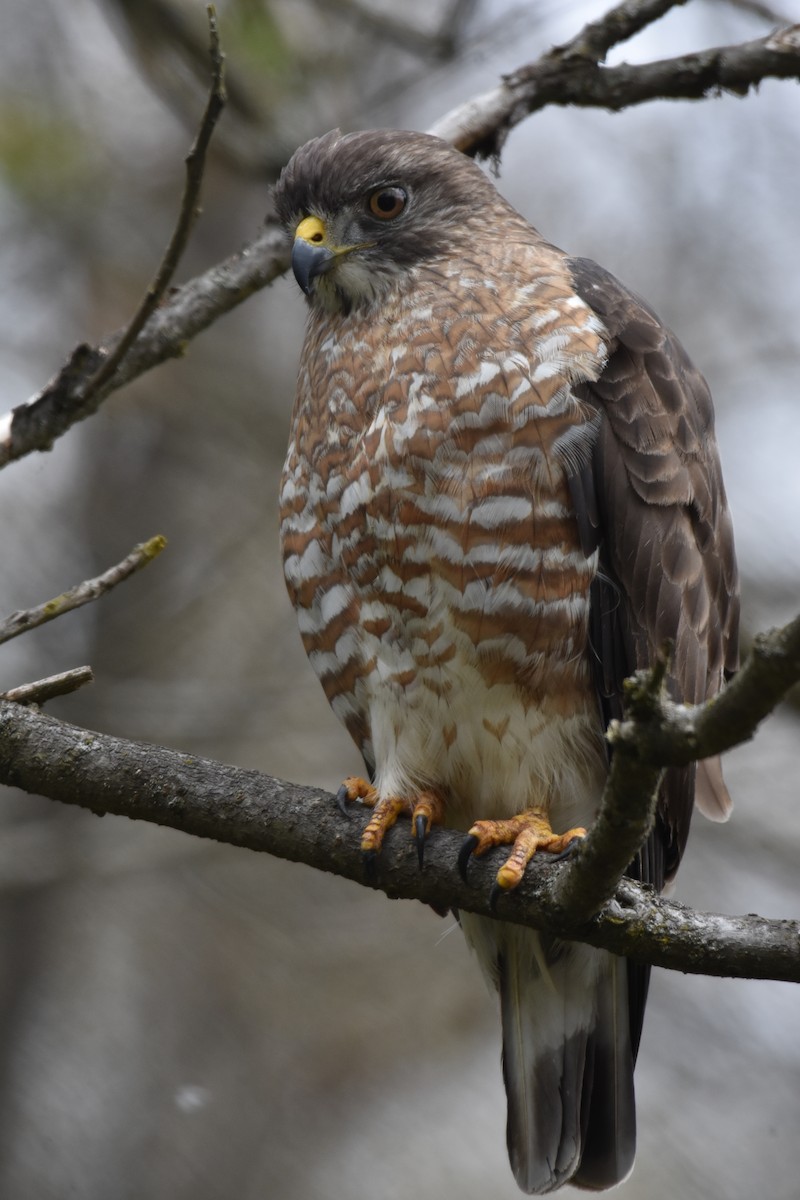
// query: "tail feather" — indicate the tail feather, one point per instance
point(567, 1061)
point(609, 1143)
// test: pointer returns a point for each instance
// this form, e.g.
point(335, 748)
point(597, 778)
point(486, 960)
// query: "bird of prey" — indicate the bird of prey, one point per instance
point(502, 495)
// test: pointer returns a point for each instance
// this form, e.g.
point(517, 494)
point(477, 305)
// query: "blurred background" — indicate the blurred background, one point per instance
point(180, 1019)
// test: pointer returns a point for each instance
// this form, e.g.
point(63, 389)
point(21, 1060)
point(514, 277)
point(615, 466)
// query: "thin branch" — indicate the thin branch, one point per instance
point(481, 126)
point(619, 24)
point(42, 690)
point(245, 808)
point(92, 373)
point(82, 593)
point(626, 815)
point(189, 310)
point(187, 215)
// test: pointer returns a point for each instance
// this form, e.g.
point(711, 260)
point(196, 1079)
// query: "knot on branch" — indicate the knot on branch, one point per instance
point(645, 690)
point(654, 725)
point(784, 41)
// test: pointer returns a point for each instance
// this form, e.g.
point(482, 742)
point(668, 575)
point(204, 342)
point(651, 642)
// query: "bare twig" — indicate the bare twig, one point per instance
point(481, 126)
point(619, 24)
point(93, 372)
point(46, 689)
point(187, 215)
point(245, 808)
point(82, 593)
point(189, 310)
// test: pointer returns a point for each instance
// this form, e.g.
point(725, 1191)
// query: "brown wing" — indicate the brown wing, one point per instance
point(652, 499)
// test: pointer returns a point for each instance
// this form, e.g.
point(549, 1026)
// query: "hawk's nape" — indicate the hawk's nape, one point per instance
point(501, 495)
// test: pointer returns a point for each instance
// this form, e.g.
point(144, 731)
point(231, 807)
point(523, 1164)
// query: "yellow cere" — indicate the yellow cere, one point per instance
point(311, 229)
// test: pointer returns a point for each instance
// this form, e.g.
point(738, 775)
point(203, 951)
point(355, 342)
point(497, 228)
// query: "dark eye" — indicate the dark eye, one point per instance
point(387, 203)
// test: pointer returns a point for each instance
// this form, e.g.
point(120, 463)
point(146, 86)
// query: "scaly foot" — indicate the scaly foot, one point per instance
point(526, 833)
point(425, 809)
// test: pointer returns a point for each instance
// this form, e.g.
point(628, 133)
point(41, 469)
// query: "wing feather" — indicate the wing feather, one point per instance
point(652, 502)
point(660, 518)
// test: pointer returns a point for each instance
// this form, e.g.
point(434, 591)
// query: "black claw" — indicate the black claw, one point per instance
point(342, 799)
point(370, 861)
point(420, 828)
point(494, 895)
point(465, 854)
point(568, 850)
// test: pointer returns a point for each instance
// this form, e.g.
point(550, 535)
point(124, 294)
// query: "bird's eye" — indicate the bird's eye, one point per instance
point(387, 203)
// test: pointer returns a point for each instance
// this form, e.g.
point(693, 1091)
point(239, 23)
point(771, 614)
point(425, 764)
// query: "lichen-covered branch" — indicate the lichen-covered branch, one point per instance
point(657, 733)
point(246, 808)
point(83, 593)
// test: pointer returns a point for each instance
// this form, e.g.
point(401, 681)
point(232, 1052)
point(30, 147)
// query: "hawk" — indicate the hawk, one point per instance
point(502, 495)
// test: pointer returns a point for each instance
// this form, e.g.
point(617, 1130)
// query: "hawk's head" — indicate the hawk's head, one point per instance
point(364, 208)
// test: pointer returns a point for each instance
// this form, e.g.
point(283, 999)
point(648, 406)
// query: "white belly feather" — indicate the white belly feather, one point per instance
point(490, 751)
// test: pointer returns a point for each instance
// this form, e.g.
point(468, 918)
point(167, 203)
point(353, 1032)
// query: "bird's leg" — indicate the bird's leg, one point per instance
point(426, 808)
point(526, 833)
point(384, 816)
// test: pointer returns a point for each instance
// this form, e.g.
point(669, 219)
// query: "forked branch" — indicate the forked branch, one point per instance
point(246, 808)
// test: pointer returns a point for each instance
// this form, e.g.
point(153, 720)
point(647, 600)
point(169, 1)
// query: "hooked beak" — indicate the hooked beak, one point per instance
point(311, 254)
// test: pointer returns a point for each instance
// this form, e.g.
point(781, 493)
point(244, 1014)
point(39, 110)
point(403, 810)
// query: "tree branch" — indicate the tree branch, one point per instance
point(245, 808)
point(187, 215)
point(619, 24)
point(657, 733)
point(569, 74)
point(677, 734)
point(565, 75)
point(626, 816)
point(189, 310)
point(42, 690)
point(83, 593)
point(584, 899)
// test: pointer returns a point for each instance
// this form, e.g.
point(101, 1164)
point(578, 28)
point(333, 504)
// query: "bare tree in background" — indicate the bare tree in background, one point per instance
point(208, 800)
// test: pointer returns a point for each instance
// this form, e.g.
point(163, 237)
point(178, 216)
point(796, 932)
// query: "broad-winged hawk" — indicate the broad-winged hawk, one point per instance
point(502, 495)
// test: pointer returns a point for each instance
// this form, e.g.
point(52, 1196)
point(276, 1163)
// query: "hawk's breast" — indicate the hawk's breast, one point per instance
point(429, 541)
